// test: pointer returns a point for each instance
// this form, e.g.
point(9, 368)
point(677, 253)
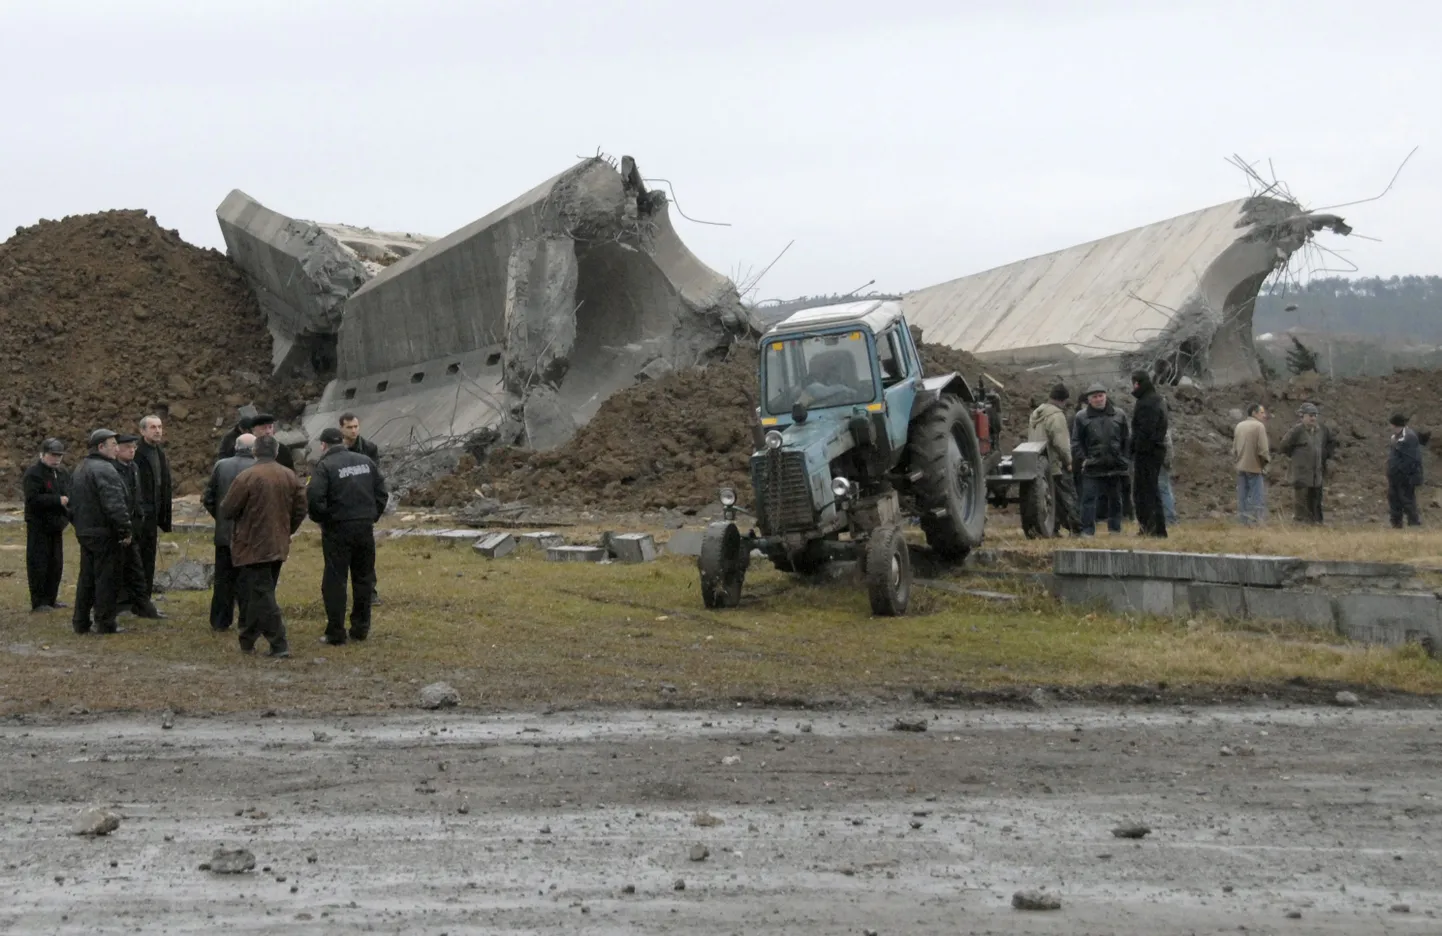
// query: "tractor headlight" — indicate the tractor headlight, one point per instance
point(840, 488)
point(773, 439)
point(728, 497)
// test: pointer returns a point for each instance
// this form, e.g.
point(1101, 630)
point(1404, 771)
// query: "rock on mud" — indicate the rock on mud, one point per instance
point(1134, 830)
point(1347, 699)
point(439, 695)
point(1034, 900)
point(95, 821)
point(230, 861)
point(700, 853)
point(909, 724)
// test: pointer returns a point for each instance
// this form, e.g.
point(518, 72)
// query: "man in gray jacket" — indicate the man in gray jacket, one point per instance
point(224, 596)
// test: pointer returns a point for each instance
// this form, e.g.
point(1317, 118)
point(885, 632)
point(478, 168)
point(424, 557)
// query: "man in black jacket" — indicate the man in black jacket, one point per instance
point(1099, 444)
point(350, 431)
point(47, 494)
point(224, 593)
point(1404, 473)
point(1149, 450)
point(102, 527)
point(156, 492)
point(345, 496)
point(134, 593)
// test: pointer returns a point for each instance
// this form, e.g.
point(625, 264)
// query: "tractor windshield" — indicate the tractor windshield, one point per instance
point(819, 371)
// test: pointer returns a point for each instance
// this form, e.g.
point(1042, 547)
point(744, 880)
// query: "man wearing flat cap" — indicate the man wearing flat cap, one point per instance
point(263, 425)
point(1309, 446)
point(1099, 444)
point(345, 496)
point(134, 592)
point(102, 527)
point(47, 496)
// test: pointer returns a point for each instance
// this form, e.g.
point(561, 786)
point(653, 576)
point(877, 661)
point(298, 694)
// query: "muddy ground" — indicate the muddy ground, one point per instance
point(808, 822)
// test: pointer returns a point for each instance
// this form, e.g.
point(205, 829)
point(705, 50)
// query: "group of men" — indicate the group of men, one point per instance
point(1111, 459)
point(1116, 462)
point(1310, 445)
point(118, 499)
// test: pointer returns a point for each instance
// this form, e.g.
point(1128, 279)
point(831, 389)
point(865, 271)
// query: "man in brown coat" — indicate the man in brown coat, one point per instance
point(266, 505)
point(1253, 452)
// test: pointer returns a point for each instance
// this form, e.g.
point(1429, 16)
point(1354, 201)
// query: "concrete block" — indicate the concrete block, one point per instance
point(1267, 571)
point(1391, 619)
point(543, 539)
point(684, 543)
point(575, 554)
point(1367, 575)
point(495, 545)
point(1235, 602)
point(1123, 596)
point(633, 547)
point(454, 536)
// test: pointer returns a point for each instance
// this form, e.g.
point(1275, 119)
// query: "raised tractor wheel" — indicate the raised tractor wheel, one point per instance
point(888, 572)
point(723, 563)
point(951, 494)
point(1038, 504)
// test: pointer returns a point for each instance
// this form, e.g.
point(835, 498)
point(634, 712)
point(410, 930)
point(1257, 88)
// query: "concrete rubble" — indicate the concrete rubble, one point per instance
point(521, 323)
point(1374, 602)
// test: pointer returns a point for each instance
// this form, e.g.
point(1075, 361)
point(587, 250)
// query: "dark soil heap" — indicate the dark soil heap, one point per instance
point(108, 317)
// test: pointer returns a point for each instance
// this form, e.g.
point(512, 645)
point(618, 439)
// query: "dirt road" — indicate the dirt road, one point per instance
point(828, 823)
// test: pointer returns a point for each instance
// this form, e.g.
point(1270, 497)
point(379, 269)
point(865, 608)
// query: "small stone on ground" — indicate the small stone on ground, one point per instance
point(1034, 900)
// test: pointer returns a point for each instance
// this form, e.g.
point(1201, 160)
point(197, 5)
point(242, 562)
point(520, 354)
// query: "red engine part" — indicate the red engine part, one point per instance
point(983, 429)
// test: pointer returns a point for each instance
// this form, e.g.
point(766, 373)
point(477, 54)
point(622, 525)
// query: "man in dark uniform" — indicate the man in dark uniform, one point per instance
point(346, 495)
point(155, 495)
point(102, 527)
point(1404, 473)
point(263, 425)
point(224, 593)
point(47, 495)
point(1149, 449)
point(134, 594)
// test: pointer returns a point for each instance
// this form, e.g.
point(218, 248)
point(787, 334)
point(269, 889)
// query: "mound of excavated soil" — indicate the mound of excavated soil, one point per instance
point(108, 317)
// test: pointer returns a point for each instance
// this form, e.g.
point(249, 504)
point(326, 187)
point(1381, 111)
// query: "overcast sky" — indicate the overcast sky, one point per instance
point(909, 142)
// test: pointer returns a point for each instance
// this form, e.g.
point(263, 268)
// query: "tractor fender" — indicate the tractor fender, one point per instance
point(932, 389)
point(1029, 461)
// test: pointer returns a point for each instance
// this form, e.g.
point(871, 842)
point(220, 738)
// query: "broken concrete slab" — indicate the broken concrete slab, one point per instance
point(1390, 619)
point(495, 545)
point(633, 547)
point(574, 286)
point(185, 575)
point(575, 554)
point(1272, 571)
point(541, 539)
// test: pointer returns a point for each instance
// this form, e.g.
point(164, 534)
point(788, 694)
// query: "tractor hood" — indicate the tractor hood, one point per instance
point(823, 436)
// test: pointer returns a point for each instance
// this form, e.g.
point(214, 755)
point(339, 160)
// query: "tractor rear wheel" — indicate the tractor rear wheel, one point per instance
point(951, 493)
point(888, 572)
point(1038, 505)
point(722, 564)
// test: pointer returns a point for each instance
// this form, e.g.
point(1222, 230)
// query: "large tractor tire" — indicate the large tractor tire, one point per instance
point(723, 563)
point(951, 493)
point(1038, 505)
point(888, 572)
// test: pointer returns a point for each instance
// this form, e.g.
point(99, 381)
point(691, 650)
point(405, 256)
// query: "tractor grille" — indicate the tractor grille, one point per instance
point(783, 492)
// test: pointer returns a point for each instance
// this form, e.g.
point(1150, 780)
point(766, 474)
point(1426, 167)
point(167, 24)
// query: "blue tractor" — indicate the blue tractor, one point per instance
point(851, 443)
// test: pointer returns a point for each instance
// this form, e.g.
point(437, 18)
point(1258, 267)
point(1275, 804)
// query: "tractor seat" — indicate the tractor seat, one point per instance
point(835, 368)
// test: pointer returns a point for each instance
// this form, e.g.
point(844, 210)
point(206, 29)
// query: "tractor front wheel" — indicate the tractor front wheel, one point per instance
point(1038, 505)
point(723, 562)
point(888, 572)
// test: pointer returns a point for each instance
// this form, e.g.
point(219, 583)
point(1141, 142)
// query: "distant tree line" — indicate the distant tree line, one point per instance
point(1399, 308)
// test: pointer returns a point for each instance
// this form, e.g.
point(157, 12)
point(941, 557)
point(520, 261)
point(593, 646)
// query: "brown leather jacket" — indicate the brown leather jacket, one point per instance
point(266, 504)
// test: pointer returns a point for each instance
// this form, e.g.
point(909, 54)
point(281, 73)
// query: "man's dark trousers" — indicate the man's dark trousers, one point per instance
point(1147, 470)
point(224, 591)
point(1401, 502)
point(147, 538)
point(349, 547)
point(98, 587)
point(133, 592)
point(1095, 489)
point(261, 617)
point(44, 561)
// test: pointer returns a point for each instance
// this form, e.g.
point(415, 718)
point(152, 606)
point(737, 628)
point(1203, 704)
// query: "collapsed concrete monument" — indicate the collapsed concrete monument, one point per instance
point(524, 321)
point(1175, 297)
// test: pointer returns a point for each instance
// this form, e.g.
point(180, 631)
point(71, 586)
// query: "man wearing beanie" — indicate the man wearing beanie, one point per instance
point(1404, 473)
point(1049, 424)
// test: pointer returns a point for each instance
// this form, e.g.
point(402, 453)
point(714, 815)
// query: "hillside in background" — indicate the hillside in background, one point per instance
point(1399, 310)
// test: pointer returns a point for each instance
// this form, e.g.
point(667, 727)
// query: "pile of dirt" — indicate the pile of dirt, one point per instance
point(108, 317)
point(669, 443)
